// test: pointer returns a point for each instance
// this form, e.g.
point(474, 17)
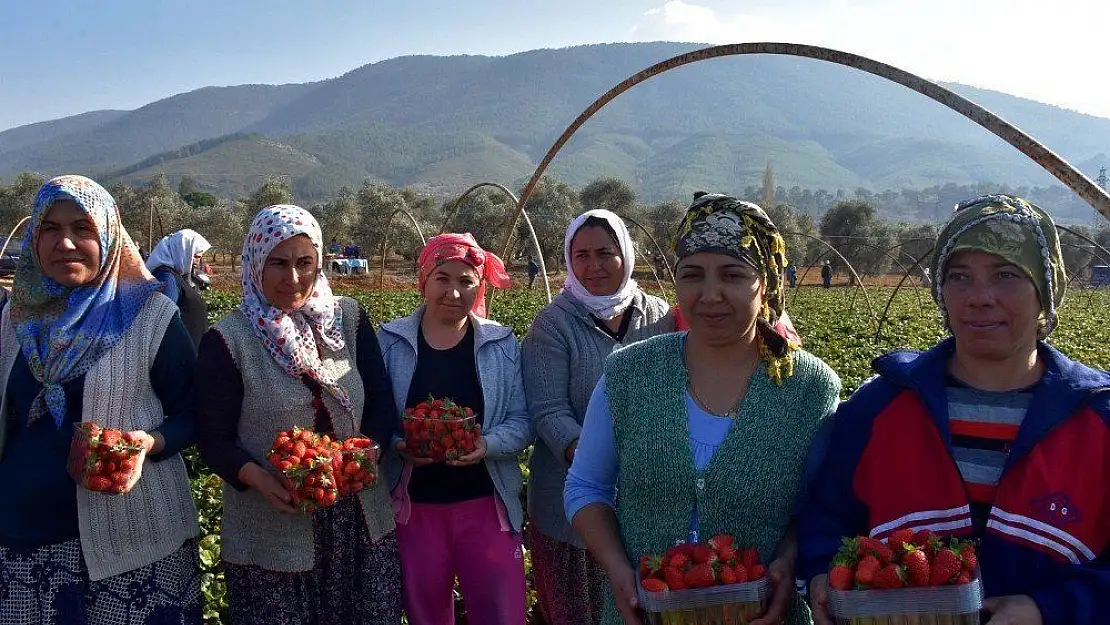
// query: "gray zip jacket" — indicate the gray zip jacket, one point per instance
point(506, 426)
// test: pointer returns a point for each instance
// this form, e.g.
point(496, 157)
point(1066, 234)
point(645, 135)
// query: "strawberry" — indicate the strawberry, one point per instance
point(889, 577)
point(675, 578)
point(700, 575)
point(99, 483)
point(946, 566)
point(679, 561)
point(110, 438)
point(749, 558)
point(727, 575)
point(866, 569)
point(701, 554)
point(900, 537)
point(967, 554)
point(740, 572)
point(872, 546)
point(649, 566)
point(924, 538)
point(840, 578)
point(756, 572)
point(727, 554)
point(720, 541)
point(652, 584)
point(917, 567)
point(964, 577)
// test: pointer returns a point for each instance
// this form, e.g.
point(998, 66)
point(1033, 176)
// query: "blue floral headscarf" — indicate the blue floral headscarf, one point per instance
point(63, 331)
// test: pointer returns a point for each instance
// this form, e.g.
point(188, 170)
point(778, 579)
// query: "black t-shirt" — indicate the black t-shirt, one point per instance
point(618, 334)
point(450, 373)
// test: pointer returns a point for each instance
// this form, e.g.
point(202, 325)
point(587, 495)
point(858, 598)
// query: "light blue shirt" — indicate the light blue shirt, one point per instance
point(593, 474)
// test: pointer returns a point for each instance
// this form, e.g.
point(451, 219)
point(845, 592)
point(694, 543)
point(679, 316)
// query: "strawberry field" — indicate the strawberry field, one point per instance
point(838, 325)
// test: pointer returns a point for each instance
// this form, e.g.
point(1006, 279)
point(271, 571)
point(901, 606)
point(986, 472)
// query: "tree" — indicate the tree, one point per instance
point(197, 199)
point(849, 226)
point(551, 208)
point(187, 186)
point(484, 214)
point(608, 193)
point(17, 200)
point(273, 191)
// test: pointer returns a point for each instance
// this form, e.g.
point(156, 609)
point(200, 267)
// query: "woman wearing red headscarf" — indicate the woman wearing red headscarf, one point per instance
point(460, 517)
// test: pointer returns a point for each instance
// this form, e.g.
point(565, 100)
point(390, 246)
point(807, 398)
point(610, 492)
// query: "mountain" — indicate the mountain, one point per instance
point(444, 123)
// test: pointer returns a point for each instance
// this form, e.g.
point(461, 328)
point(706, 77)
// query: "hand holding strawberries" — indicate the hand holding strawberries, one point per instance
point(473, 457)
point(623, 581)
point(402, 449)
point(781, 575)
point(264, 482)
point(106, 460)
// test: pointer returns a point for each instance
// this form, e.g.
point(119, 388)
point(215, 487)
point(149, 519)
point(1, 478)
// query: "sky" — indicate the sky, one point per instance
point(63, 57)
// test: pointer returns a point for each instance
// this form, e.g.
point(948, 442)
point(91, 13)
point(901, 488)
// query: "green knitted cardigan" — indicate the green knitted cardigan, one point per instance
point(751, 483)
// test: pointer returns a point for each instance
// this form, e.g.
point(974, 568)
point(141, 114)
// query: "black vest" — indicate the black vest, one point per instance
point(194, 310)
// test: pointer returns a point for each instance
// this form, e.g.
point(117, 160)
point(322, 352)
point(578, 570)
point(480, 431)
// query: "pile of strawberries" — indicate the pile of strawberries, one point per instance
point(906, 559)
point(318, 470)
point(700, 565)
point(440, 429)
point(105, 460)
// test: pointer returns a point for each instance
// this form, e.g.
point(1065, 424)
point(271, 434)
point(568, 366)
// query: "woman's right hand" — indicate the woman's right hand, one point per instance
point(402, 449)
point(253, 475)
point(819, 600)
point(623, 580)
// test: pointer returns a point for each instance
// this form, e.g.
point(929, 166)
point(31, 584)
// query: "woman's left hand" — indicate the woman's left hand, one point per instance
point(473, 457)
point(152, 443)
point(1013, 610)
point(781, 575)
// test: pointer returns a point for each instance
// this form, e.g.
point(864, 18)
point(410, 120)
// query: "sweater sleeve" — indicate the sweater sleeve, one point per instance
point(219, 408)
point(514, 434)
point(831, 509)
point(1080, 597)
point(546, 362)
point(593, 474)
point(379, 415)
point(171, 376)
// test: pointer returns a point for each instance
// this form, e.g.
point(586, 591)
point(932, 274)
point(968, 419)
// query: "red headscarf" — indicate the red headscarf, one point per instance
point(463, 247)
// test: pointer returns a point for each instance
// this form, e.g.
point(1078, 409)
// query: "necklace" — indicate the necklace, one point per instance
point(732, 412)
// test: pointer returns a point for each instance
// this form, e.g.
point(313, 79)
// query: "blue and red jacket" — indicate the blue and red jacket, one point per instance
point(887, 464)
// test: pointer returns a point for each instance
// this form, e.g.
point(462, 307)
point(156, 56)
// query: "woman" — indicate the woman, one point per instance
point(176, 263)
point(87, 337)
point(743, 399)
point(460, 517)
point(991, 434)
point(601, 308)
point(293, 354)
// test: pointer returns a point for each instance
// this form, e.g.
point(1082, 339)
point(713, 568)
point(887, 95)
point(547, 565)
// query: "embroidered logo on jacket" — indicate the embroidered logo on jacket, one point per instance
point(1057, 509)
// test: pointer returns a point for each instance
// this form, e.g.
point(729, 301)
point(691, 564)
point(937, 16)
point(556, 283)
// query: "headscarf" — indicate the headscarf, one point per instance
point(463, 247)
point(289, 337)
point(604, 306)
point(1016, 230)
point(722, 224)
point(177, 250)
point(63, 331)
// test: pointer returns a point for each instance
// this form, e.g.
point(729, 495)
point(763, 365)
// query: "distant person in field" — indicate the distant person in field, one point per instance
point(295, 354)
point(826, 274)
point(689, 435)
point(792, 275)
point(600, 309)
point(533, 270)
point(1003, 438)
point(178, 263)
point(461, 517)
point(88, 337)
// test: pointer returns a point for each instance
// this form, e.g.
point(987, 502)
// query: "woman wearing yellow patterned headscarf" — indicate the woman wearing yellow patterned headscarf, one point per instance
point(704, 432)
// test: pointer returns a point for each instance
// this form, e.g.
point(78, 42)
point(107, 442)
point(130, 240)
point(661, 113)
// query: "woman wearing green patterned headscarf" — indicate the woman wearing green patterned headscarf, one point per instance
point(704, 432)
point(999, 433)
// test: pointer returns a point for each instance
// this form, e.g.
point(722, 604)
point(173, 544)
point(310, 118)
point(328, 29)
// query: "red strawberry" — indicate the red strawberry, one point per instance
point(749, 558)
point(675, 578)
point(700, 576)
point(866, 569)
point(701, 554)
point(963, 578)
point(756, 572)
point(898, 538)
point(726, 554)
point(840, 578)
point(946, 566)
point(875, 547)
point(917, 567)
point(924, 538)
point(653, 584)
point(890, 576)
point(110, 438)
point(970, 559)
point(650, 565)
point(720, 541)
point(99, 483)
point(727, 575)
point(740, 572)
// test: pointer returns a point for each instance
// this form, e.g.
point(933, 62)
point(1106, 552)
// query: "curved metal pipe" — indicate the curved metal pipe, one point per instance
point(859, 282)
point(658, 248)
point(886, 310)
point(385, 248)
point(12, 233)
point(1049, 160)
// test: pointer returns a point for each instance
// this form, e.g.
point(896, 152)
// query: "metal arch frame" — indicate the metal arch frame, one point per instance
point(1046, 158)
point(886, 309)
point(658, 250)
point(859, 282)
point(15, 228)
point(454, 209)
point(385, 247)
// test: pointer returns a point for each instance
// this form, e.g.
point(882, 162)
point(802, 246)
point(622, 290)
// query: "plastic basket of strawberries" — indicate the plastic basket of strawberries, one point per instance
point(105, 460)
point(355, 465)
point(904, 580)
point(440, 429)
point(712, 583)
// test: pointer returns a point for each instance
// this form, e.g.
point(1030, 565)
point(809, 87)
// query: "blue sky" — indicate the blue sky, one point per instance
point(62, 57)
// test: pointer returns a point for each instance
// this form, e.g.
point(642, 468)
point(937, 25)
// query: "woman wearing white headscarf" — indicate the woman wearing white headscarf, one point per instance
point(175, 261)
point(601, 308)
point(294, 354)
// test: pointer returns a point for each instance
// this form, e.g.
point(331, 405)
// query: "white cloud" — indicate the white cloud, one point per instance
point(1051, 52)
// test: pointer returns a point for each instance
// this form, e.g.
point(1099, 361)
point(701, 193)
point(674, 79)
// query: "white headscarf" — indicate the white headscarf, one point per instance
point(604, 306)
point(177, 250)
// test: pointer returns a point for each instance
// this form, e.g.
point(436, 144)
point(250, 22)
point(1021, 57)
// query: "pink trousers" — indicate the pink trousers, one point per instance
point(463, 539)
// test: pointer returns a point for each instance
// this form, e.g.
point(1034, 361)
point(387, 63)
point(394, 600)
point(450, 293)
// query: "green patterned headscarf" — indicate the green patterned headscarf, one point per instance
point(1016, 230)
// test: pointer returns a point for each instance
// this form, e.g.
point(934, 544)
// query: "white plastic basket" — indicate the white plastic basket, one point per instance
point(941, 605)
point(734, 604)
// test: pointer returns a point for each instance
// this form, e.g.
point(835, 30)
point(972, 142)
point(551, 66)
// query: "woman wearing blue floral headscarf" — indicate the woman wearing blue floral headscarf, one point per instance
point(88, 337)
